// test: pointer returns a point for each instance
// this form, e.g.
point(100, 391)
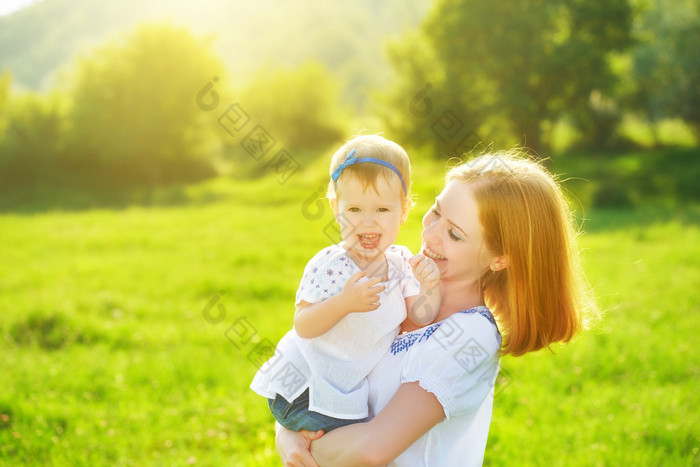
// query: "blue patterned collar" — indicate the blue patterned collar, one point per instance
point(405, 341)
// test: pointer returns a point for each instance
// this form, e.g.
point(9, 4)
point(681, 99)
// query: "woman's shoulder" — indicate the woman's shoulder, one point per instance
point(472, 330)
point(457, 330)
point(472, 314)
point(458, 361)
point(473, 324)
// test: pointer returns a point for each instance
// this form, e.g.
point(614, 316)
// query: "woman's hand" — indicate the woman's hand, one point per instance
point(294, 447)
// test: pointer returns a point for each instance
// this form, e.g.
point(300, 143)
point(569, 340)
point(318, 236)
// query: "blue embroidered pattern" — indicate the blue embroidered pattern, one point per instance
point(405, 342)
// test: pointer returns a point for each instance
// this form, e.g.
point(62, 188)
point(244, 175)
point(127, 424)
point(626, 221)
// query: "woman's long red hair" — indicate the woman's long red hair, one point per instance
point(541, 296)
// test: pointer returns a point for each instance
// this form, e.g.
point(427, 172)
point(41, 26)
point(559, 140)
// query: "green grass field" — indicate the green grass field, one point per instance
point(110, 355)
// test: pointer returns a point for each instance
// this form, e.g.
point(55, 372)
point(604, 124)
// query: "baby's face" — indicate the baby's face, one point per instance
point(370, 220)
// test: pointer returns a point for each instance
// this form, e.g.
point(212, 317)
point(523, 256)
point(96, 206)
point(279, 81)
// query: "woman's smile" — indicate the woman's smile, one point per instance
point(431, 254)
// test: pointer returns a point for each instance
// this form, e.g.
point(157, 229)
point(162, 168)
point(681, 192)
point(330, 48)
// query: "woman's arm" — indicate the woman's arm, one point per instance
point(293, 446)
point(410, 414)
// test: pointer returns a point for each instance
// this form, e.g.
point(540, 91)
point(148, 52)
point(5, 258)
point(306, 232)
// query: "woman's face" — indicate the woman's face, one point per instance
point(453, 235)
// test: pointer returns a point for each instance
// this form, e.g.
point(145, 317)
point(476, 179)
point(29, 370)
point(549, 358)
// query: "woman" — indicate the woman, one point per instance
point(502, 237)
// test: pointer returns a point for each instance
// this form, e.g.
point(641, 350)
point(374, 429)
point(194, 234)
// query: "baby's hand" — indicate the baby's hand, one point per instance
point(425, 270)
point(362, 296)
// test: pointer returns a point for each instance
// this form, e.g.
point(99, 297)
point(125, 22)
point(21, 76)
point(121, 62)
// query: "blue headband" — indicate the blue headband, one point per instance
point(350, 160)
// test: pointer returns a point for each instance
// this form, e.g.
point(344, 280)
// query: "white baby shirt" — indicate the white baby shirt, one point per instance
point(334, 366)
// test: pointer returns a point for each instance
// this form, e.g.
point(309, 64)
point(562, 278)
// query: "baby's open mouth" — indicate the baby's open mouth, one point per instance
point(369, 241)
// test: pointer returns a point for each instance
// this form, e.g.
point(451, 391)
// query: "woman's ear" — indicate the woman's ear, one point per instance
point(499, 263)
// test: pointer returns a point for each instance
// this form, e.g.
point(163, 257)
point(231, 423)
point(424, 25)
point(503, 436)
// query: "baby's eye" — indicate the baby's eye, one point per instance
point(383, 210)
point(354, 209)
point(453, 236)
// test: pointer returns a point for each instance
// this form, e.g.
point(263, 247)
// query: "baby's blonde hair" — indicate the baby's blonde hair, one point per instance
point(541, 296)
point(372, 146)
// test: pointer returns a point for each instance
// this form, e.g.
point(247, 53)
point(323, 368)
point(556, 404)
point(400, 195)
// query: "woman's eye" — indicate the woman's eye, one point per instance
point(435, 211)
point(453, 236)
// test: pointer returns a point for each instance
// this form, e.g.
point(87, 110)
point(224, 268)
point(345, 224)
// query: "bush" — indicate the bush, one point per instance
point(299, 107)
point(635, 178)
point(134, 121)
point(31, 149)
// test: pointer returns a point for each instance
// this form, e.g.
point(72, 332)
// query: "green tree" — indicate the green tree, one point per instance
point(526, 62)
point(414, 109)
point(300, 107)
point(5, 81)
point(666, 65)
point(134, 119)
point(33, 142)
point(688, 100)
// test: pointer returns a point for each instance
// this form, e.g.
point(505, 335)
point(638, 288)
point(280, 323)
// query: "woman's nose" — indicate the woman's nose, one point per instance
point(430, 230)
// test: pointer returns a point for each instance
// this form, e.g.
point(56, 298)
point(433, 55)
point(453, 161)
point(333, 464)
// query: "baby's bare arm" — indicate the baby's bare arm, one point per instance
point(312, 320)
point(423, 308)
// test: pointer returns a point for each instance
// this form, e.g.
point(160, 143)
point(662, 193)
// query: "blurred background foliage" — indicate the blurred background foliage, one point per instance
point(98, 100)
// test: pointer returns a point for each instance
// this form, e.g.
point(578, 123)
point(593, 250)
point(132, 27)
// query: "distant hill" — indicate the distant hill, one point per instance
point(349, 37)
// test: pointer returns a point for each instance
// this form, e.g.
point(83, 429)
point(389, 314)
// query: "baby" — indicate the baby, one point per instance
point(353, 295)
